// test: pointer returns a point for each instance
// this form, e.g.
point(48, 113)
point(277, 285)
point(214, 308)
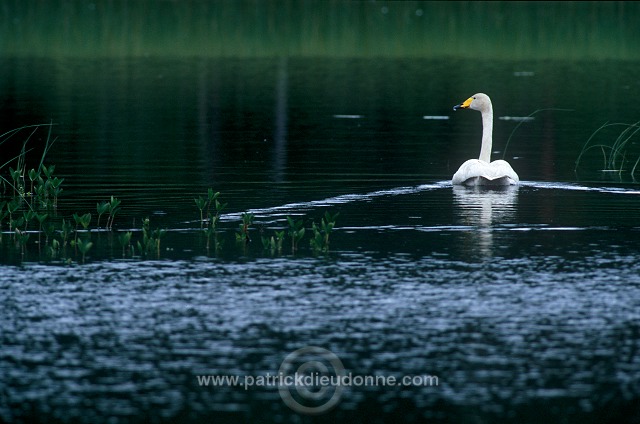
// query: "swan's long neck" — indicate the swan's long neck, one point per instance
point(487, 134)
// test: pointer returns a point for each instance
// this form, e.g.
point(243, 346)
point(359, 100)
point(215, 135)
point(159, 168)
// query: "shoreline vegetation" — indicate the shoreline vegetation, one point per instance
point(30, 218)
point(268, 28)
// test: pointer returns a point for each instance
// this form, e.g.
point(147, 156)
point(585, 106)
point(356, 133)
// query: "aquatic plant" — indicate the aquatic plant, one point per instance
point(210, 208)
point(158, 234)
point(53, 249)
point(211, 232)
point(21, 238)
point(125, 241)
point(50, 188)
point(28, 215)
point(613, 155)
point(55, 184)
point(33, 195)
point(296, 232)
point(40, 201)
point(33, 176)
point(320, 240)
point(205, 204)
point(47, 228)
point(12, 207)
point(16, 223)
point(113, 209)
point(81, 220)
point(101, 208)
point(243, 231)
point(20, 158)
point(83, 245)
point(16, 176)
point(274, 243)
point(65, 231)
point(41, 217)
point(201, 203)
point(150, 239)
point(45, 190)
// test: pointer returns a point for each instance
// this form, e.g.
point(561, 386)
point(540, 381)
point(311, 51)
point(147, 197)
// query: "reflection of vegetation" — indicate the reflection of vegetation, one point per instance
point(613, 155)
point(272, 28)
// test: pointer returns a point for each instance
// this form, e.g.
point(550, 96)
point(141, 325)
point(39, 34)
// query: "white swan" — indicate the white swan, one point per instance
point(482, 171)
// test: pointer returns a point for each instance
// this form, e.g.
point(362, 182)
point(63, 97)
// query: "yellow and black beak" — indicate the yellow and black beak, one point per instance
point(464, 105)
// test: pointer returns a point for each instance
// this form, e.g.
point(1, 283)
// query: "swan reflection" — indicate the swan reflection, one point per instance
point(483, 208)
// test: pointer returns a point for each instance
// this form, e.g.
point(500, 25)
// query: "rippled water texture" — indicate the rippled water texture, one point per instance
point(525, 322)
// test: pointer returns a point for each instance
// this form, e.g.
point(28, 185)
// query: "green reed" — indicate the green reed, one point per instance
point(614, 154)
point(125, 241)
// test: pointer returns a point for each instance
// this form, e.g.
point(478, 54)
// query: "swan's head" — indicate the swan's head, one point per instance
point(479, 101)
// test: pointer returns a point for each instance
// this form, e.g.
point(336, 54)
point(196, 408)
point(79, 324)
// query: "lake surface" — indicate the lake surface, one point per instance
point(524, 302)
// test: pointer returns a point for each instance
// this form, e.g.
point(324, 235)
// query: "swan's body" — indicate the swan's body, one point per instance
point(482, 171)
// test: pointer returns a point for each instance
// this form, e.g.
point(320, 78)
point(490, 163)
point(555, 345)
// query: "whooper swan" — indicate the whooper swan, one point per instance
point(482, 171)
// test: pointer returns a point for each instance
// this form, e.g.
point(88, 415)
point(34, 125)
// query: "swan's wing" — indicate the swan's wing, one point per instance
point(469, 170)
point(477, 172)
point(501, 169)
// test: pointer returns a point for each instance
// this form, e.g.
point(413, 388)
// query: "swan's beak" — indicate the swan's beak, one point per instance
point(464, 105)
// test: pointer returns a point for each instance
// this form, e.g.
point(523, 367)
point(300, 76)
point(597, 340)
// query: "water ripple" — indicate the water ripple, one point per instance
point(129, 337)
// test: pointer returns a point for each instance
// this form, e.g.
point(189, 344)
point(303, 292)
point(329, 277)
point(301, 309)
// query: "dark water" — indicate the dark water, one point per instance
point(523, 302)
